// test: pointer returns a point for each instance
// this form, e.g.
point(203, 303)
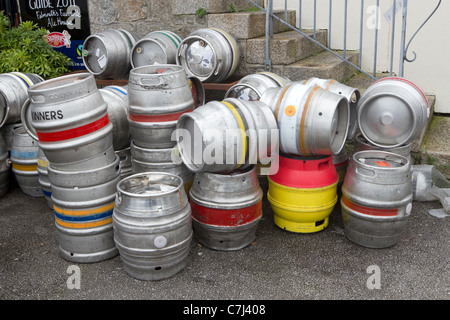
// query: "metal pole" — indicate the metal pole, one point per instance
point(402, 43)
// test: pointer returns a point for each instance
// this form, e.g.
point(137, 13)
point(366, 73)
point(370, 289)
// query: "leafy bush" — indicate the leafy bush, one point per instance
point(24, 49)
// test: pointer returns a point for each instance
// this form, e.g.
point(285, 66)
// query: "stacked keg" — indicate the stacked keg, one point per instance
point(69, 118)
point(378, 187)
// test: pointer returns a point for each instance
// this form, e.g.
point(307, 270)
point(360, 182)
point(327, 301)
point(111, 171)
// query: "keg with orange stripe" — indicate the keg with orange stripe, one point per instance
point(69, 118)
point(24, 154)
point(107, 53)
point(159, 47)
point(83, 203)
point(377, 198)
point(226, 208)
point(13, 94)
point(209, 54)
point(152, 225)
point(303, 192)
point(158, 95)
point(312, 121)
point(222, 136)
point(351, 94)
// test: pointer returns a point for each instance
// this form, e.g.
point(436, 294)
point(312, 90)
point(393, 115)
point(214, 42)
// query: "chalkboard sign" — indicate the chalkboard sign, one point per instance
point(67, 22)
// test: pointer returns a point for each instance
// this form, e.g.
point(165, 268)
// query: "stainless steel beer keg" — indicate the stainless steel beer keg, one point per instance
point(210, 54)
point(42, 164)
point(5, 167)
point(152, 225)
point(361, 144)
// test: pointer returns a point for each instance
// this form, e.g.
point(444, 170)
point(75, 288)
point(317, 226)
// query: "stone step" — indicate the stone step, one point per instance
point(248, 25)
point(180, 7)
point(285, 47)
point(324, 65)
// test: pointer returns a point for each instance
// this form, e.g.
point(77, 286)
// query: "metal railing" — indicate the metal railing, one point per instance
point(401, 4)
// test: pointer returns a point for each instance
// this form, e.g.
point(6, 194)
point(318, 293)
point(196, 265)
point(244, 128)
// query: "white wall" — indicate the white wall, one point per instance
point(431, 69)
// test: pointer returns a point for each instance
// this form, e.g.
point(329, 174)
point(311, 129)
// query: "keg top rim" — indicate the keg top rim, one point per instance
point(383, 156)
point(55, 83)
point(176, 188)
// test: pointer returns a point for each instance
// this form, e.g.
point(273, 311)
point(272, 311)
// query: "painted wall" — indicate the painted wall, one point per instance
point(432, 44)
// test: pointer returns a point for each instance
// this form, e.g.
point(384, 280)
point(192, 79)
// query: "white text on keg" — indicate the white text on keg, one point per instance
point(74, 280)
point(374, 280)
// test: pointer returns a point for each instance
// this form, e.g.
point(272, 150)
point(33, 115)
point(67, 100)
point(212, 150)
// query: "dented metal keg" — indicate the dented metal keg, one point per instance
point(5, 167)
point(226, 208)
point(312, 121)
point(42, 164)
point(210, 54)
point(158, 95)
point(303, 192)
point(377, 198)
point(155, 47)
point(83, 203)
point(69, 118)
point(125, 162)
point(107, 53)
point(13, 94)
point(252, 86)
point(392, 112)
point(116, 98)
point(152, 225)
point(23, 155)
point(227, 135)
point(160, 160)
point(351, 94)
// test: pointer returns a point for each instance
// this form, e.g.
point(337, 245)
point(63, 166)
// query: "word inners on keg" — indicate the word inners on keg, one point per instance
point(47, 115)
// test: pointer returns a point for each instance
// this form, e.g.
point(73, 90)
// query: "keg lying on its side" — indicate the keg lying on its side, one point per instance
point(227, 135)
point(312, 121)
point(210, 54)
point(377, 198)
point(13, 94)
point(107, 53)
point(155, 47)
point(226, 208)
point(252, 86)
point(69, 118)
point(152, 225)
point(24, 156)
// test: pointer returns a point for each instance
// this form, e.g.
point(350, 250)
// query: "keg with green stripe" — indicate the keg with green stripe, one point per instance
point(107, 53)
point(158, 95)
point(209, 54)
point(222, 136)
point(83, 203)
point(156, 47)
point(68, 116)
point(13, 94)
point(24, 154)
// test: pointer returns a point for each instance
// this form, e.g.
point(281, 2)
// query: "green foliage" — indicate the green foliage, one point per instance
point(200, 12)
point(24, 49)
point(233, 8)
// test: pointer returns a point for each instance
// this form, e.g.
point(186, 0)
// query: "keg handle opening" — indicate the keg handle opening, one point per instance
point(5, 117)
point(24, 118)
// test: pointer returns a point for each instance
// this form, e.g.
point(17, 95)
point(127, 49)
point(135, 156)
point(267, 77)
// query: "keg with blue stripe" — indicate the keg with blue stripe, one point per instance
point(23, 155)
point(13, 94)
point(83, 202)
point(159, 46)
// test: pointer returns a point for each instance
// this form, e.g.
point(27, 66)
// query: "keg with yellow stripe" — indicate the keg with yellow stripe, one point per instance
point(83, 203)
point(210, 54)
point(312, 121)
point(159, 46)
point(303, 192)
point(107, 53)
point(24, 155)
point(222, 136)
point(42, 163)
point(13, 94)
point(158, 95)
point(377, 198)
point(68, 116)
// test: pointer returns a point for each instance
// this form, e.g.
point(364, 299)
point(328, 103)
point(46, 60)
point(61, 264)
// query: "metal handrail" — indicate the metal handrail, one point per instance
point(403, 49)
